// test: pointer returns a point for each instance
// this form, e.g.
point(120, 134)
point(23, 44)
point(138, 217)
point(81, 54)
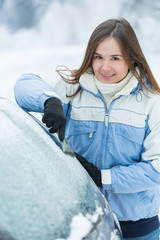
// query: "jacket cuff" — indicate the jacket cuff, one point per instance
point(44, 97)
point(52, 94)
point(106, 176)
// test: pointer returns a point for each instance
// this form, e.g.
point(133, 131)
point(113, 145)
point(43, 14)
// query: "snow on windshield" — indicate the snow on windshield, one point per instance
point(39, 185)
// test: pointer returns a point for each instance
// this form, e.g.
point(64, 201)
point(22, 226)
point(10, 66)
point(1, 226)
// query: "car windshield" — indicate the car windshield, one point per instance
point(41, 188)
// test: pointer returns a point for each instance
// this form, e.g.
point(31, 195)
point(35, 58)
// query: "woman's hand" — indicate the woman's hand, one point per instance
point(54, 117)
point(92, 170)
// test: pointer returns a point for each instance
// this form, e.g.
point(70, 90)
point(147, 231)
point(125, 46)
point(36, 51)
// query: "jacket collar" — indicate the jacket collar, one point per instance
point(87, 82)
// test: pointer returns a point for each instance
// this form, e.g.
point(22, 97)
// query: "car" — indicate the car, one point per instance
point(46, 194)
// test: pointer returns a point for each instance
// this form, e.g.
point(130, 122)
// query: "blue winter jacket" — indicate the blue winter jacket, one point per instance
point(122, 139)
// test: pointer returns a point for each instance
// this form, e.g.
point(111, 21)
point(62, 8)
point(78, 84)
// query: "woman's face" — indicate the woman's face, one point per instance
point(109, 65)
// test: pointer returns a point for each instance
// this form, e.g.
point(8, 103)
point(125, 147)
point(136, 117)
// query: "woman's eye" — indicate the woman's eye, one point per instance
point(115, 58)
point(98, 57)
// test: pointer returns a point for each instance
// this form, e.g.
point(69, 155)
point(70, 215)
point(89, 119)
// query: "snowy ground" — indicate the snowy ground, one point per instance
point(41, 61)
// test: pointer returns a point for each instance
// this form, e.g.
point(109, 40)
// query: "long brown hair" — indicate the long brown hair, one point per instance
point(122, 31)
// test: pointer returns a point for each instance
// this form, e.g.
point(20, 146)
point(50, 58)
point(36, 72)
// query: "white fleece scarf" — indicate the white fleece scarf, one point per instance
point(110, 90)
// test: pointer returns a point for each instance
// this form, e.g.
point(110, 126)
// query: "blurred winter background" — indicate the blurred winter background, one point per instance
point(38, 35)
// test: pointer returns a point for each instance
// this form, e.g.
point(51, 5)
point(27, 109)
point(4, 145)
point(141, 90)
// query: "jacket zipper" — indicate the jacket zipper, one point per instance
point(106, 119)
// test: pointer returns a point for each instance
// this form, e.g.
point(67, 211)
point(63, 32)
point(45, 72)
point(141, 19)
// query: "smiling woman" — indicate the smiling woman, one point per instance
point(109, 65)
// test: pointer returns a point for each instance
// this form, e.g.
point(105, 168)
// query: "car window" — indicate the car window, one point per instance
point(41, 188)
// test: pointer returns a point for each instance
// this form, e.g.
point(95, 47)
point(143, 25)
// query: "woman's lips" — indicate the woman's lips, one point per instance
point(107, 76)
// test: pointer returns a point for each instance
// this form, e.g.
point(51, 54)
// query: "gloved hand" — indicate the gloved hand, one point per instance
point(54, 117)
point(92, 170)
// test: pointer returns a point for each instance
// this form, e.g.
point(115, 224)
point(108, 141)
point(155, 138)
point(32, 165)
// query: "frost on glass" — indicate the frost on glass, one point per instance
point(44, 193)
point(40, 187)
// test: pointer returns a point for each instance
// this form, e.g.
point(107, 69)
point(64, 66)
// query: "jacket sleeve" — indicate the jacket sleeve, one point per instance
point(142, 175)
point(31, 92)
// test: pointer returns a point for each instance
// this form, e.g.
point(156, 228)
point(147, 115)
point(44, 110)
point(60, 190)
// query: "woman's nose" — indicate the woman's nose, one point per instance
point(106, 66)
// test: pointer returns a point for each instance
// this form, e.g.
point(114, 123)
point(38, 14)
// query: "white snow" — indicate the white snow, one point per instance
point(41, 61)
point(81, 225)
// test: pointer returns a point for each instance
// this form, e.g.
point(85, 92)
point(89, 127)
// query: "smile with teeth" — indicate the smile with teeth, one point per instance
point(107, 75)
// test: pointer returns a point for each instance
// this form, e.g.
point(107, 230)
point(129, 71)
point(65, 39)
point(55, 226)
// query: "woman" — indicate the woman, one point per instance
point(111, 113)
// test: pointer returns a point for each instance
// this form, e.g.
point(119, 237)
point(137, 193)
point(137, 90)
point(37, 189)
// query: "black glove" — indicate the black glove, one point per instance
point(92, 170)
point(54, 117)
